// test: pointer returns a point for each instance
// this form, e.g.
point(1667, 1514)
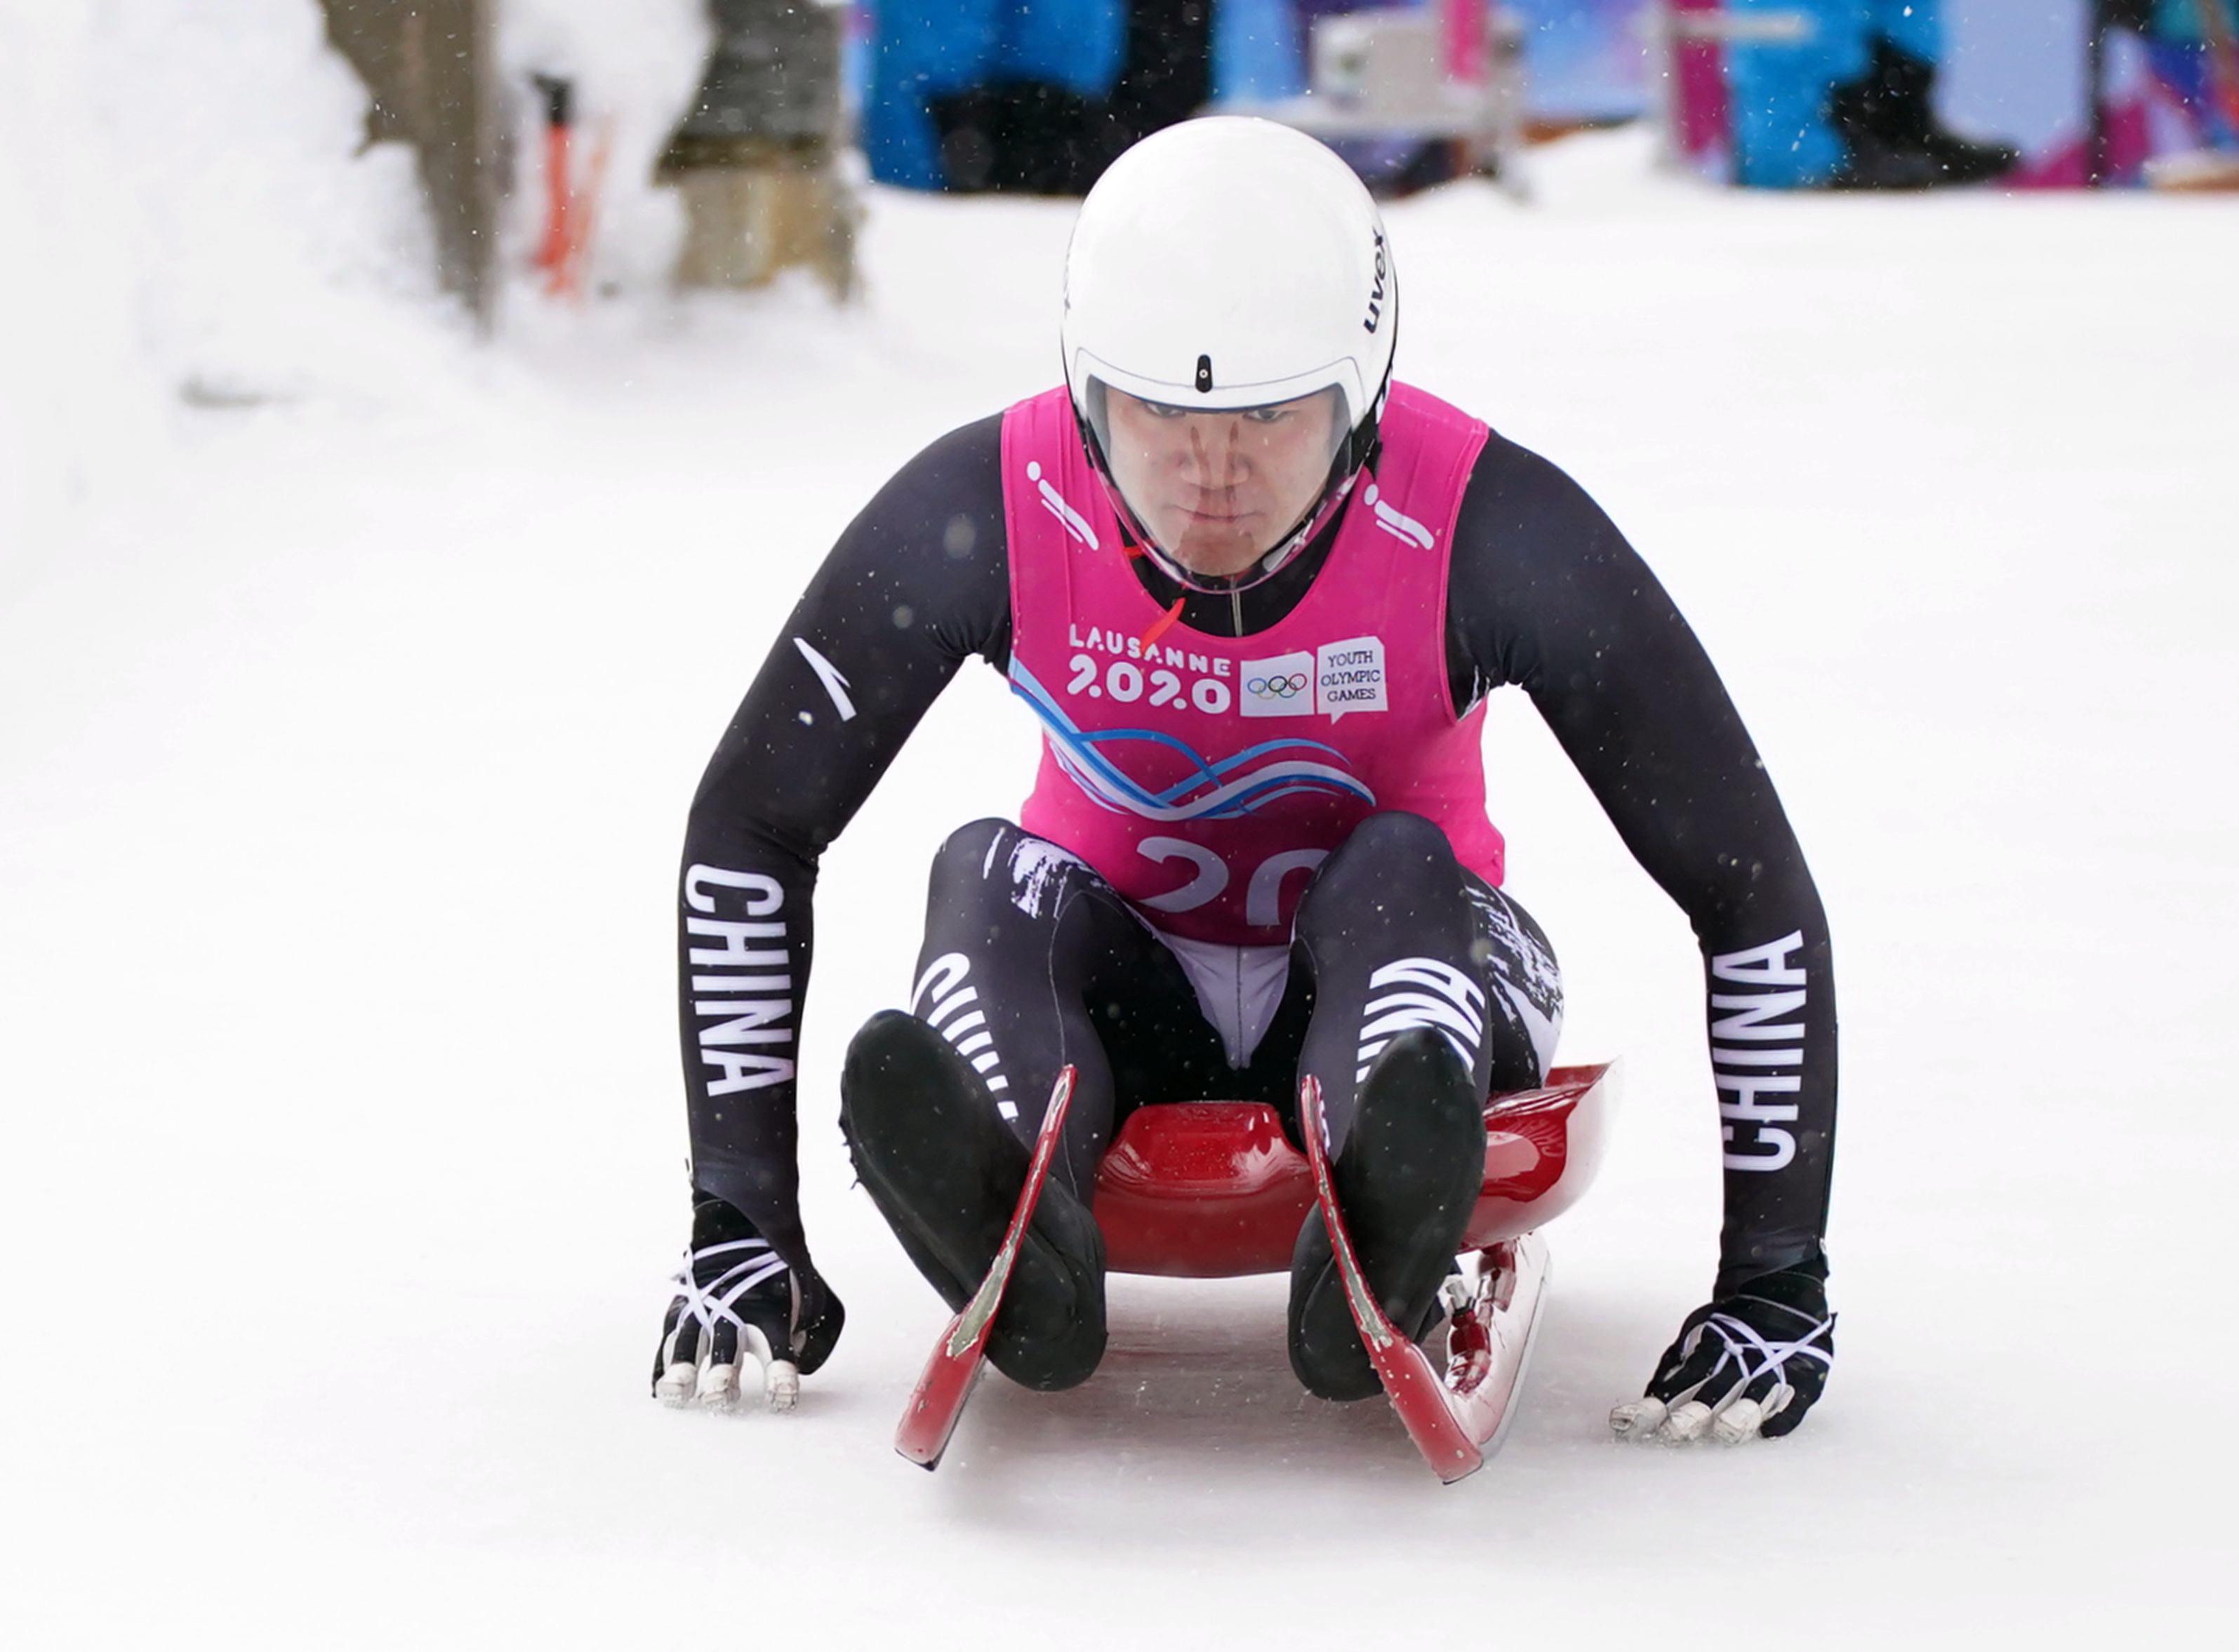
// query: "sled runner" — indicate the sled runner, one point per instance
point(954, 1370)
point(1214, 1189)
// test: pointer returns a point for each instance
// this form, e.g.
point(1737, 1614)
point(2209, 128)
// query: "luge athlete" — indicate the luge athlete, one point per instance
point(1257, 594)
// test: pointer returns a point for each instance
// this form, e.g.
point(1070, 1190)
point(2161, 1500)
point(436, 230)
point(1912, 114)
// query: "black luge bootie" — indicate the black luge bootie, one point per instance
point(1406, 1182)
point(946, 1172)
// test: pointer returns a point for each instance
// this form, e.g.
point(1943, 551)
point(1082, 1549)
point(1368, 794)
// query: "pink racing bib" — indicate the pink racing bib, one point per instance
point(1206, 777)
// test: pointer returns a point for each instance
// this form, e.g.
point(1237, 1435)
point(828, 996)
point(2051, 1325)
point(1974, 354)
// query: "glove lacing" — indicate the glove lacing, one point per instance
point(1755, 1354)
point(715, 1300)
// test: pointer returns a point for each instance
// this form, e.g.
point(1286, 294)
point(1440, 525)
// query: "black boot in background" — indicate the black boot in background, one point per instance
point(1909, 89)
point(1864, 116)
point(1887, 119)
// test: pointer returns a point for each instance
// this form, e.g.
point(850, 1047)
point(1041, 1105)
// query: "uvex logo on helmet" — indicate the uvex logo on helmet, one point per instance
point(1376, 293)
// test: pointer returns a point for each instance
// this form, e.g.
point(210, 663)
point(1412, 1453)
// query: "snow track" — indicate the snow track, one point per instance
point(347, 724)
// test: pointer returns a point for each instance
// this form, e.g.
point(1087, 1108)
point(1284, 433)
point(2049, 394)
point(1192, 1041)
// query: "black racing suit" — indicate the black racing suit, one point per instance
point(1544, 594)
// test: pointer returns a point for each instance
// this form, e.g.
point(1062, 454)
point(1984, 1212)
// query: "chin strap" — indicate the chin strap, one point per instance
point(1364, 444)
point(1137, 543)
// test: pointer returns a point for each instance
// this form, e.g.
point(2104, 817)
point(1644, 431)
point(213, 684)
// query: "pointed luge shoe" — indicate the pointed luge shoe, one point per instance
point(945, 1172)
point(1407, 1179)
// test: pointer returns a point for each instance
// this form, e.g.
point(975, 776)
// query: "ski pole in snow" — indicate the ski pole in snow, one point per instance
point(583, 214)
point(569, 211)
point(559, 190)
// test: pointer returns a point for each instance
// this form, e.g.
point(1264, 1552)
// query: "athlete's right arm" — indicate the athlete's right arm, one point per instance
point(916, 584)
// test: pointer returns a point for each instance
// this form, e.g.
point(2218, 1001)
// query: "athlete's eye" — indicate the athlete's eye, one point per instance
point(1267, 416)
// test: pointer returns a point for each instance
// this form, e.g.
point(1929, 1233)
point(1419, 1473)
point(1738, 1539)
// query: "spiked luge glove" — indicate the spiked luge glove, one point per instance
point(733, 1292)
point(1750, 1363)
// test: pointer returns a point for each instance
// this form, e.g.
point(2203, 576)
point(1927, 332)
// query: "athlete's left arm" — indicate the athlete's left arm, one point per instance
point(1546, 593)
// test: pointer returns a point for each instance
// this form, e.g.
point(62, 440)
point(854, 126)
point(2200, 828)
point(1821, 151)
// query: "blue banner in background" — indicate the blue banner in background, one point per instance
point(1258, 50)
point(2009, 66)
point(2014, 69)
point(1582, 59)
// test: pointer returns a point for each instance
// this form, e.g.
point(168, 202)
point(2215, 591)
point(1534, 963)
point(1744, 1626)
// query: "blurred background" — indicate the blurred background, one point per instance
point(534, 125)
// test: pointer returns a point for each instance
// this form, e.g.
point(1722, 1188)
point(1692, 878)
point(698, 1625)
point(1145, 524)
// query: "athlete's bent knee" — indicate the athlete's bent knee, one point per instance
point(1383, 845)
point(960, 865)
point(1393, 835)
point(968, 846)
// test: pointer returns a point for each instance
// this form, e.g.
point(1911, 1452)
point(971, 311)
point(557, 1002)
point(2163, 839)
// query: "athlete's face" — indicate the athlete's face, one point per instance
point(1217, 490)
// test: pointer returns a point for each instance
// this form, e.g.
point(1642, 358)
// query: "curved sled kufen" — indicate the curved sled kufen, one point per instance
point(1212, 1189)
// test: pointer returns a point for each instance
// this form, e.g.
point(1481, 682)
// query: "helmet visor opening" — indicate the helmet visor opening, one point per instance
point(1216, 491)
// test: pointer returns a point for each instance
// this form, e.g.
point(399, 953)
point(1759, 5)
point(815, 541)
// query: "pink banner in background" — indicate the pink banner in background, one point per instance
point(1462, 26)
point(1700, 89)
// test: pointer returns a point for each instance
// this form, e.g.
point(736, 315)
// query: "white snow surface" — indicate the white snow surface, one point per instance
point(356, 674)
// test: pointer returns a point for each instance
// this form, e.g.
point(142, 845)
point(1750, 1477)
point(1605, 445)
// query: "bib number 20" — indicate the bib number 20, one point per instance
point(1262, 894)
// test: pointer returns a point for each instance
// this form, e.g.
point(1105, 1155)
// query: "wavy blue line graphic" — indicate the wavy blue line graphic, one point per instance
point(1217, 795)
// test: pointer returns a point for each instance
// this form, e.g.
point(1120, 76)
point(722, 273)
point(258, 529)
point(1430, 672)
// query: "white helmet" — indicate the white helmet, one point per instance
point(1229, 265)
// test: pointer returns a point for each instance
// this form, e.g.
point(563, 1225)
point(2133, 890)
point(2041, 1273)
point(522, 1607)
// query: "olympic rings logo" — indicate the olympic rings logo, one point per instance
point(1276, 687)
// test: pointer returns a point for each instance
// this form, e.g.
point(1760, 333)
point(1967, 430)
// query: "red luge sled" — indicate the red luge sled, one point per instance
point(1213, 1190)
